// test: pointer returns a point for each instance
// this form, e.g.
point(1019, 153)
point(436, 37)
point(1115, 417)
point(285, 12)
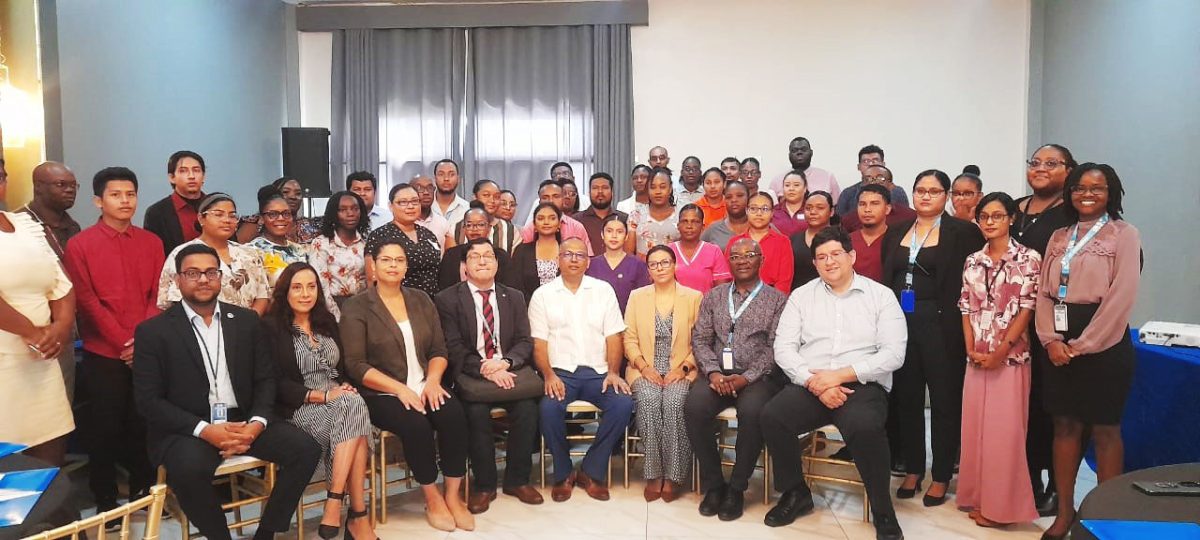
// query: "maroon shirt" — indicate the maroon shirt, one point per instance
point(115, 275)
point(186, 211)
point(900, 213)
point(868, 259)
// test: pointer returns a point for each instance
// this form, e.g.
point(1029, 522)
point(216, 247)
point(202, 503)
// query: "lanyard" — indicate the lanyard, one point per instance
point(914, 248)
point(988, 283)
point(213, 365)
point(1073, 249)
point(735, 315)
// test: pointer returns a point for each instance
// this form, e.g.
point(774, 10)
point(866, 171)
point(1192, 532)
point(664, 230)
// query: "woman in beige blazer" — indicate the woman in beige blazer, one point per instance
point(658, 343)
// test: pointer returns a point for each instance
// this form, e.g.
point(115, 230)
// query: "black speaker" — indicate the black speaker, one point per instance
point(306, 158)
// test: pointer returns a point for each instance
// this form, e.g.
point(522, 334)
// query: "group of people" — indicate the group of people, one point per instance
point(209, 334)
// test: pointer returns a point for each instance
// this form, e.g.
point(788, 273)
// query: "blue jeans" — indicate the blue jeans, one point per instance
point(616, 410)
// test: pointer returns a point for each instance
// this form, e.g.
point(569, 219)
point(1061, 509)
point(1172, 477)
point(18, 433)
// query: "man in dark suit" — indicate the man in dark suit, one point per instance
point(476, 223)
point(486, 327)
point(205, 383)
point(173, 218)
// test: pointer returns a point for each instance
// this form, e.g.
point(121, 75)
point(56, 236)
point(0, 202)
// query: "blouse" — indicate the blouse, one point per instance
point(32, 277)
point(706, 267)
point(631, 273)
point(777, 260)
point(243, 279)
point(424, 255)
point(277, 257)
point(994, 293)
point(342, 267)
point(651, 232)
point(712, 213)
point(786, 223)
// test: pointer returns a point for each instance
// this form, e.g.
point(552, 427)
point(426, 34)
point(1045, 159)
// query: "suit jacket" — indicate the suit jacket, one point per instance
point(523, 274)
point(290, 391)
point(457, 310)
point(170, 380)
point(639, 329)
point(372, 339)
point(449, 272)
point(162, 220)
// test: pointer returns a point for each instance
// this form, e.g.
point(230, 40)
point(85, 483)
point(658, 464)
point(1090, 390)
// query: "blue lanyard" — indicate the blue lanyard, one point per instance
point(735, 315)
point(1073, 249)
point(914, 248)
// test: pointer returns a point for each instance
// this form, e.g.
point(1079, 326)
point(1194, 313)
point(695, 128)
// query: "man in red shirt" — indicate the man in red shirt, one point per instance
point(173, 219)
point(880, 175)
point(874, 207)
point(114, 267)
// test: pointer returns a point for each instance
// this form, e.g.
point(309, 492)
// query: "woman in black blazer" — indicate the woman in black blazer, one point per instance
point(536, 263)
point(936, 355)
point(314, 396)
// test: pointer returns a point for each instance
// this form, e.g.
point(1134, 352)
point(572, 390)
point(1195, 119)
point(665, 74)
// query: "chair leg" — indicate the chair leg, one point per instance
point(628, 443)
point(766, 476)
point(300, 517)
point(467, 481)
point(542, 459)
point(237, 510)
point(383, 481)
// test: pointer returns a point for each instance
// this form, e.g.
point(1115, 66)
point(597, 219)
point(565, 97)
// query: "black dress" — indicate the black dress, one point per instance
point(424, 255)
point(805, 271)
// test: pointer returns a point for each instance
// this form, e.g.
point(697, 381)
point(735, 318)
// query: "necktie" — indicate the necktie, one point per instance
point(489, 323)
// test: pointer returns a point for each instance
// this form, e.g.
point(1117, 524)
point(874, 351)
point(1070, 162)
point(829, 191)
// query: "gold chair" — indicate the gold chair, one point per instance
point(724, 444)
point(153, 503)
point(578, 406)
point(236, 471)
point(816, 442)
point(379, 473)
point(632, 438)
point(318, 485)
point(497, 413)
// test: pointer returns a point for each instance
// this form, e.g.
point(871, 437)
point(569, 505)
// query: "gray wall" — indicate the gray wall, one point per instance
point(141, 79)
point(1120, 84)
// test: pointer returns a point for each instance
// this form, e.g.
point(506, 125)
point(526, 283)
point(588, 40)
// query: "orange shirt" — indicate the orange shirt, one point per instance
point(712, 214)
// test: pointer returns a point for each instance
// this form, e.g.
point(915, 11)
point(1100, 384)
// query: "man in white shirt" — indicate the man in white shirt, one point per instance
point(576, 327)
point(689, 189)
point(364, 184)
point(838, 341)
point(448, 205)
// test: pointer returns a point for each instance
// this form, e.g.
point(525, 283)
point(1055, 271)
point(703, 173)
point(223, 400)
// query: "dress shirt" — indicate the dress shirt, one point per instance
point(683, 196)
point(185, 210)
point(212, 349)
point(454, 213)
point(594, 225)
point(439, 226)
point(570, 228)
point(862, 328)
point(818, 180)
point(575, 325)
point(478, 299)
point(379, 217)
point(752, 336)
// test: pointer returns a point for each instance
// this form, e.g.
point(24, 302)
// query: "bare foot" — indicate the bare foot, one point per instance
point(1062, 524)
point(985, 522)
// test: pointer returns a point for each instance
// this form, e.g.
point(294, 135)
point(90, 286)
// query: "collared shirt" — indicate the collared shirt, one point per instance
point(379, 217)
point(630, 204)
point(994, 293)
point(868, 258)
point(753, 335)
point(712, 213)
point(478, 299)
point(439, 226)
point(683, 196)
point(818, 180)
point(503, 234)
point(210, 339)
point(58, 237)
point(185, 210)
point(847, 202)
point(570, 228)
point(342, 267)
point(862, 328)
point(594, 225)
point(900, 214)
point(243, 279)
point(453, 213)
point(778, 262)
point(575, 325)
point(116, 284)
point(786, 222)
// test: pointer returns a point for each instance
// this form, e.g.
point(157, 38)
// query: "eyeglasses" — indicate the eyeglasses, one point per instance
point(1048, 164)
point(931, 193)
point(276, 214)
point(63, 184)
point(738, 257)
point(826, 256)
point(656, 265)
point(573, 256)
point(423, 189)
point(219, 215)
point(963, 194)
point(758, 209)
point(407, 203)
point(474, 226)
point(998, 217)
point(1093, 191)
point(476, 257)
point(192, 274)
point(878, 179)
point(388, 261)
point(752, 174)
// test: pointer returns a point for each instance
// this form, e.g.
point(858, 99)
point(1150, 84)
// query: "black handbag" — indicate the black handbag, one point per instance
point(528, 384)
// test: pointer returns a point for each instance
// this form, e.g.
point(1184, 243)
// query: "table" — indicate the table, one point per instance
point(1118, 499)
point(51, 509)
point(1161, 424)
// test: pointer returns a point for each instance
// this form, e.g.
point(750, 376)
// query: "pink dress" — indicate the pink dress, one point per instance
point(993, 475)
point(703, 270)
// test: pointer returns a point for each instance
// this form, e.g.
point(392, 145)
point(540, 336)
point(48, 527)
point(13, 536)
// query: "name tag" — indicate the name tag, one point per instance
point(727, 360)
point(218, 413)
point(908, 300)
point(1060, 317)
point(985, 319)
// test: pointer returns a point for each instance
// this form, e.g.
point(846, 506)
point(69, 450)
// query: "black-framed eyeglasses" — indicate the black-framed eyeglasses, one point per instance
point(192, 274)
point(277, 214)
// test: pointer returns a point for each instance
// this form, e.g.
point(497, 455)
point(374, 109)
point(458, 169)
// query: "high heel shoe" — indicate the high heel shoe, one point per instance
point(1047, 536)
point(355, 514)
point(328, 532)
point(905, 493)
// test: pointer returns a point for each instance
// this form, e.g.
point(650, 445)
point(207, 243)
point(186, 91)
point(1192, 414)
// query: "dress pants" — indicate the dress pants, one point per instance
point(191, 463)
point(522, 432)
point(926, 363)
point(795, 411)
point(615, 412)
point(114, 430)
point(700, 413)
point(416, 433)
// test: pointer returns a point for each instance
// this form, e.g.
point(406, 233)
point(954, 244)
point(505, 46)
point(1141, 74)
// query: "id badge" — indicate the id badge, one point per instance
point(219, 414)
point(727, 360)
point(985, 318)
point(908, 300)
point(1060, 317)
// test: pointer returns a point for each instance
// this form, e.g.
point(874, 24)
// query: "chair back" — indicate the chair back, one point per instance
point(79, 529)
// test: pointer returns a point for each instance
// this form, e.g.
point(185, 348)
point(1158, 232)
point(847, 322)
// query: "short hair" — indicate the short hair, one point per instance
point(268, 194)
point(396, 189)
point(870, 149)
point(385, 242)
point(545, 184)
point(832, 233)
point(1005, 200)
point(753, 160)
point(173, 161)
point(600, 176)
point(446, 160)
point(111, 174)
point(361, 176)
point(834, 218)
point(477, 242)
point(329, 223)
point(480, 183)
point(737, 184)
point(1066, 152)
point(561, 164)
point(942, 178)
point(662, 248)
point(1115, 190)
point(878, 190)
point(798, 139)
point(890, 176)
point(731, 159)
point(691, 207)
point(194, 249)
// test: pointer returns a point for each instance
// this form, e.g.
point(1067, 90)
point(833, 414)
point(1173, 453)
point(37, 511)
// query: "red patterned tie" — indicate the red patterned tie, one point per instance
point(489, 343)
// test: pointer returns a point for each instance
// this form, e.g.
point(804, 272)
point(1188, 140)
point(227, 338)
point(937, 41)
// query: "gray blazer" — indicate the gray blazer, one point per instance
point(371, 337)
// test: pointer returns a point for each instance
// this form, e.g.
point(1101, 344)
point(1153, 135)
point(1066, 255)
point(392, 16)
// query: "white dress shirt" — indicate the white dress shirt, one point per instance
point(575, 324)
point(479, 343)
point(379, 217)
point(438, 225)
point(211, 340)
point(454, 213)
point(863, 328)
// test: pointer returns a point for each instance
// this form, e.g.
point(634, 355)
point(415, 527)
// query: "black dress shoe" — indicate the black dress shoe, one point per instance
point(712, 501)
point(842, 455)
point(792, 504)
point(905, 493)
point(930, 500)
point(899, 470)
point(888, 529)
point(1046, 504)
point(732, 505)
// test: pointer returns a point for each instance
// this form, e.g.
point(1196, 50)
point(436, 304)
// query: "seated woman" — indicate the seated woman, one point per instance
point(536, 263)
point(615, 267)
point(314, 396)
point(658, 343)
point(396, 355)
point(277, 250)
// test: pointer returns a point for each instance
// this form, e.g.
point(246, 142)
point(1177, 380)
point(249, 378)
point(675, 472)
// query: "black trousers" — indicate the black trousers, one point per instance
point(416, 432)
point(522, 433)
point(795, 411)
point(1039, 440)
point(114, 431)
point(700, 413)
point(926, 362)
point(191, 463)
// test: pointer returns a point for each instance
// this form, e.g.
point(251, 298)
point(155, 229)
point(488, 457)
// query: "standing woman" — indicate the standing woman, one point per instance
point(316, 398)
point(818, 214)
point(658, 223)
point(658, 344)
point(1090, 281)
point(536, 263)
point(777, 265)
point(508, 206)
point(570, 197)
point(339, 252)
point(244, 282)
point(277, 251)
point(789, 216)
point(395, 353)
point(615, 267)
point(712, 204)
point(304, 229)
point(965, 192)
point(700, 265)
point(420, 244)
point(923, 262)
point(639, 178)
point(999, 290)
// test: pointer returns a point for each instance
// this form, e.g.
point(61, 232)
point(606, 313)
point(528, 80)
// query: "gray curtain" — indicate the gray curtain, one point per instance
point(354, 137)
point(612, 103)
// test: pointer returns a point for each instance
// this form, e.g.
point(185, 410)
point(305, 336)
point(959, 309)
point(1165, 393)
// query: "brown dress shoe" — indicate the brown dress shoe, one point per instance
point(653, 489)
point(526, 494)
point(562, 490)
point(594, 488)
point(671, 491)
point(480, 501)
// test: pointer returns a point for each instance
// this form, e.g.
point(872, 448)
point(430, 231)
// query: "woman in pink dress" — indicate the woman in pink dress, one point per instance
point(999, 291)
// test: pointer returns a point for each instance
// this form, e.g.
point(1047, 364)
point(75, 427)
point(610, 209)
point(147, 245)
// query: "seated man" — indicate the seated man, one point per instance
point(487, 336)
point(204, 381)
point(576, 328)
point(732, 344)
point(839, 340)
point(475, 224)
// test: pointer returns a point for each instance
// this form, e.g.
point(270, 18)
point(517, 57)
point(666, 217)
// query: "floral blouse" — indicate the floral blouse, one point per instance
point(342, 267)
point(243, 280)
point(994, 293)
point(651, 232)
point(276, 257)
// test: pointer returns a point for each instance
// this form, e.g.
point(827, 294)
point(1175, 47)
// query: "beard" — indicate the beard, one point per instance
point(601, 205)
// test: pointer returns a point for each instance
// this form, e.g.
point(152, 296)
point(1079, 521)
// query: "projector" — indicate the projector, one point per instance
point(1170, 334)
